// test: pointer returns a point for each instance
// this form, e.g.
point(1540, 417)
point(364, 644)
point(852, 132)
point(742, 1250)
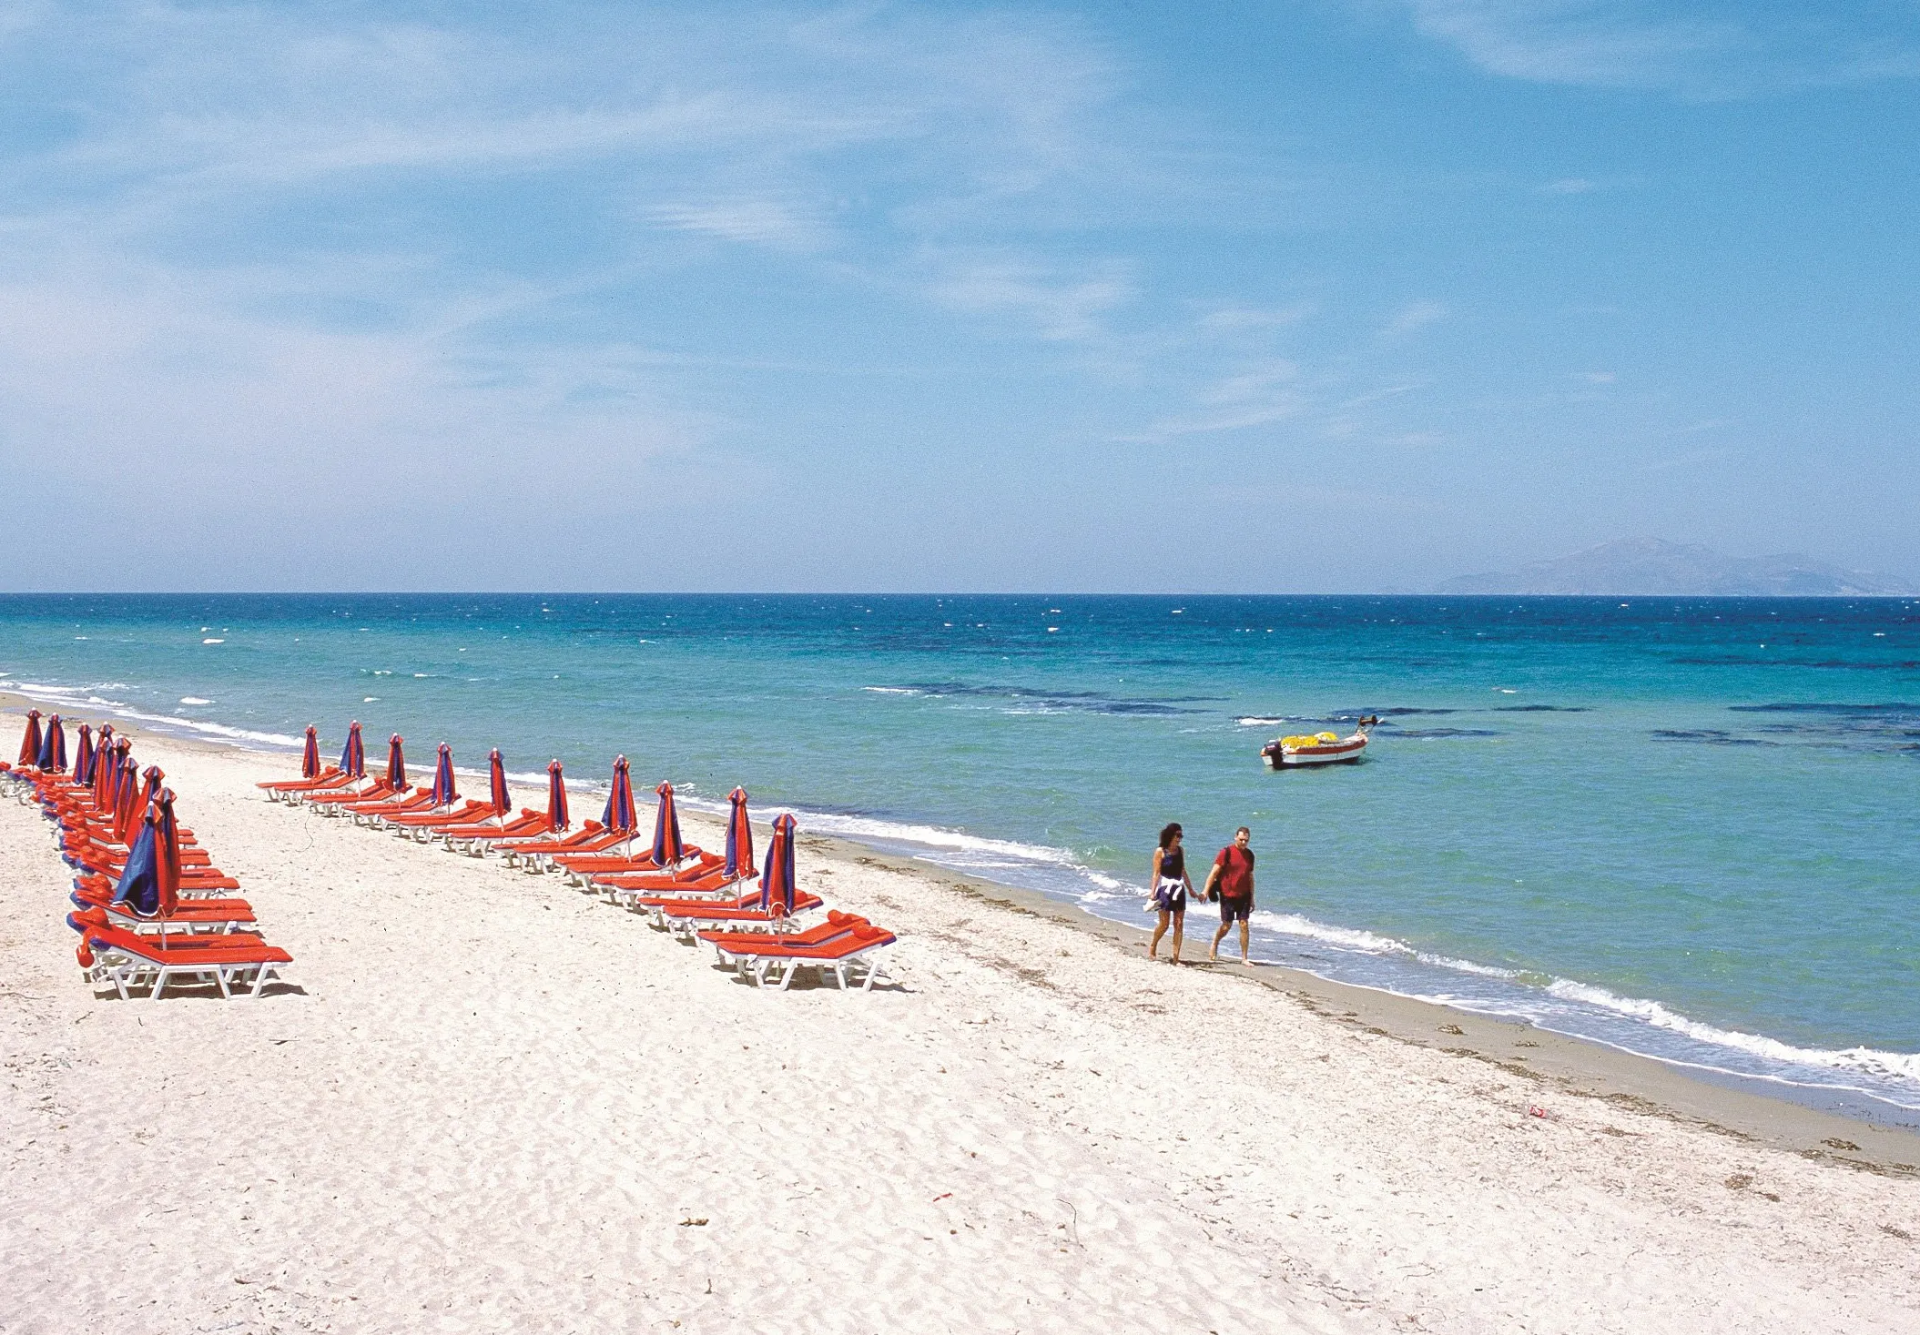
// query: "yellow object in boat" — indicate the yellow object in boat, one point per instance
point(1327, 738)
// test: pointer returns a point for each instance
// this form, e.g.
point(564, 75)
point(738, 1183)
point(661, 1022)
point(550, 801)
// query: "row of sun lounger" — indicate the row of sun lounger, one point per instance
point(755, 928)
point(148, 903)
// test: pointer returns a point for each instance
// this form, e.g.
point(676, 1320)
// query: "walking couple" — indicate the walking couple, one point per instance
point(1230, 882)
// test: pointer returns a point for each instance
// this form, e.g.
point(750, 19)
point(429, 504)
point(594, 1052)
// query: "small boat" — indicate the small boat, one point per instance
point(1325, 748)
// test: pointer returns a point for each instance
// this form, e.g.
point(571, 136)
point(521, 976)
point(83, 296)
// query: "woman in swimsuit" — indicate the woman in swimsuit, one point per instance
point(1170, 890)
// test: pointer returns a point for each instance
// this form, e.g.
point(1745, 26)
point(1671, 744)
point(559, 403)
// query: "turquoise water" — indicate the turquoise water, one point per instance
point(1685, 827)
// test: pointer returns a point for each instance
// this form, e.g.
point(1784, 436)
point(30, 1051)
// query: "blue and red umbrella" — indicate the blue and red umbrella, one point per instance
point(497, 784)
point(667, 847)
point(123, 773)
point(776, 882)
point(151, 793)
point(83, 757)
point(310, 758)
point(139, 884)
point(353, 756)
point(739, 837)
point(127, 808)
point(444, 793)
point(102, 770)
point(396, 765)
point(53, 747)
point(620, 814)
point(106, 773)
point(167, 855)
point(30, 742)
point(556, 797)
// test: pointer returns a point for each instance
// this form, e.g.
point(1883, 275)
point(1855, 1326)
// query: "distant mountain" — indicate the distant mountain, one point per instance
point(1650, 567)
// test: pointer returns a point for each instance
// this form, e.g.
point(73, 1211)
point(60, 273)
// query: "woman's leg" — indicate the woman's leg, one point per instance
point(1179, 930)
point(1153, 947)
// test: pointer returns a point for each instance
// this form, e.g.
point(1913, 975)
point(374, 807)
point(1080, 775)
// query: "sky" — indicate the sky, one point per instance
point(1339, 295)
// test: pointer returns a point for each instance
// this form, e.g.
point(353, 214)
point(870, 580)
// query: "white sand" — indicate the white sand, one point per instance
point(498, 1105)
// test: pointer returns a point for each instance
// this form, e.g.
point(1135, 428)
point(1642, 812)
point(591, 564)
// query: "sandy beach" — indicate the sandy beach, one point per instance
point(488, 1102)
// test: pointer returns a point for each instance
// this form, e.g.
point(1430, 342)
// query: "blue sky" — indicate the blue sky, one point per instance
point(1348, 294)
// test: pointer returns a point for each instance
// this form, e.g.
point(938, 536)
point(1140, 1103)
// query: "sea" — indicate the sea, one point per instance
point(1685, 828)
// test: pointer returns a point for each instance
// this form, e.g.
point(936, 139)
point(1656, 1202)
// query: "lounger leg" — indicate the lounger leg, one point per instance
point(159, 983)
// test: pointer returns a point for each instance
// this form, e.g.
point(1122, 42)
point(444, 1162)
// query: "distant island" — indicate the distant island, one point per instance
point(1651, 567)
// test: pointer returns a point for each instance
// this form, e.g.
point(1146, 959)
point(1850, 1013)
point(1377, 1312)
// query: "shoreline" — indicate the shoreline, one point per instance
point(1553, 1061)
point(1844, 1083)
point(482, 1099)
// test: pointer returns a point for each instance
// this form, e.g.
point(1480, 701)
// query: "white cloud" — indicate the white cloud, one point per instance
point(769, 222)
point(1696, 48)
point(1060, 306)
point(1238, 319)
point(1253, 395)
point(1414, 317)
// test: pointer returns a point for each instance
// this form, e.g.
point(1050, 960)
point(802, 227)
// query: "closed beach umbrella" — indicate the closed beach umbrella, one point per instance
point(139, 887)
point(102, 764)
point(151, 793)
point(106, 776)
point(556, 797)
point(667, 848)
point(497, 783)
point(353, 756)
point(127, 805)
point(620, 814)
point(444, 793)
point(167, 856)
point(776, 882)
point(30, 742)
point(83, 757)
point(53, 747)
point(310, 758)
point(117, 762)
point(396, 765)
point(739, 837)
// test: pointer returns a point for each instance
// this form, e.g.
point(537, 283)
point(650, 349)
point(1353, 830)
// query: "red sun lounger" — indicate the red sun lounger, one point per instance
point(580, 870)
point(129, 961)
point(537, 854)
point(477, 838)
point(330, 802)
point(191, 917)
point(639, 889)
point(835, 924)
point(98, 891)
point(411, 823)
point(373, 812)
point(846, 956)
point(684, 920)
point(283, 789)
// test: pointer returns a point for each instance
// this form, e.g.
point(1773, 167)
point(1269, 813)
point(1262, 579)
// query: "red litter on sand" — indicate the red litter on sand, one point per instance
point(1535, 1110)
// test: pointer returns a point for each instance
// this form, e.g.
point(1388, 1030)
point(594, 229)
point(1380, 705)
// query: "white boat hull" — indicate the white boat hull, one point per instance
point(1345, 751)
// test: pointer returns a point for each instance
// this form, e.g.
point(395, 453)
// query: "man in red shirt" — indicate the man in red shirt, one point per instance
point(1231, 881)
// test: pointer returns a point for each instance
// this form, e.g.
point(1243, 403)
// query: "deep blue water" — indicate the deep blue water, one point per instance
point(1686, 827)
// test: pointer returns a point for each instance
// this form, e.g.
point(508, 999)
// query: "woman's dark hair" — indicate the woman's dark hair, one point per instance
point(1166, 835)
